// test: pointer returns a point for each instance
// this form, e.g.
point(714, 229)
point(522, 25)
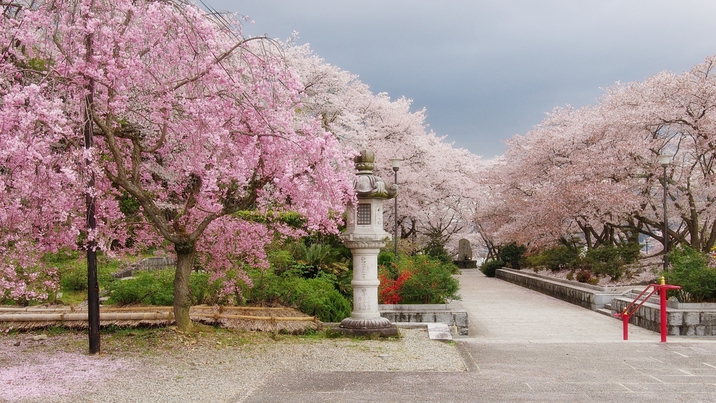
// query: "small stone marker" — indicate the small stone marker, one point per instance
point(464, 250)
point(464, 255)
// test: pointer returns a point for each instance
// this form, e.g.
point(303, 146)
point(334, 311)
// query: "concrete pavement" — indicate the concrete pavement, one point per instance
point(501, 312)
point(527, 347)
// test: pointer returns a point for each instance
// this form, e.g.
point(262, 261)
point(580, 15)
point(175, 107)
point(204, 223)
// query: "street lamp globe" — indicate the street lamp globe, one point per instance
point(665, 159)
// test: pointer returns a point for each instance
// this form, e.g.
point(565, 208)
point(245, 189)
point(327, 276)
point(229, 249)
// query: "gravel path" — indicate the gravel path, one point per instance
point(170, 367)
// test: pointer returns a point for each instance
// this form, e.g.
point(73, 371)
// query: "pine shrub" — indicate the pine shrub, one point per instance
point(489, 268)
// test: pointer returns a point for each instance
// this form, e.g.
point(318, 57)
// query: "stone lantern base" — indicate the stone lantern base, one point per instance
point(375, 327)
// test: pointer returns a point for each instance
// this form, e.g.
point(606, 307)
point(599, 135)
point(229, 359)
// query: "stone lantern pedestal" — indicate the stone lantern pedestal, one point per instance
point(365, 236)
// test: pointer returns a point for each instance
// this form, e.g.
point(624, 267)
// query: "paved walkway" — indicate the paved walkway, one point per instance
point(527, 347)
point(501, 312)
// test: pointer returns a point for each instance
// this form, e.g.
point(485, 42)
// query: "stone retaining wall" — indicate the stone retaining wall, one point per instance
point(700, 321)
point(452, 314)
point(584, 295)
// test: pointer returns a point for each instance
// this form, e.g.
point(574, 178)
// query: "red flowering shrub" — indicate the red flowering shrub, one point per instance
point(389, 288)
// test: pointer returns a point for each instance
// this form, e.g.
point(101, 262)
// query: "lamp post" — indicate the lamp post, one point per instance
point(665, 160)
point(92, 283)
point(395, 162)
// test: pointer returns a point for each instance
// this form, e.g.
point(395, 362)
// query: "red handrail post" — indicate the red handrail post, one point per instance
point(664, 317)
point(625, 315)
point(663, 287)
point(638, 302)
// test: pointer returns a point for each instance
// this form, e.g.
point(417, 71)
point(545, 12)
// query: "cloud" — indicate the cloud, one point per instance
point(486, 70)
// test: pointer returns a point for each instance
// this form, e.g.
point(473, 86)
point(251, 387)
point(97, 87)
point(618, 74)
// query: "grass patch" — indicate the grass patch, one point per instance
point(147, 341)
point(72, 268)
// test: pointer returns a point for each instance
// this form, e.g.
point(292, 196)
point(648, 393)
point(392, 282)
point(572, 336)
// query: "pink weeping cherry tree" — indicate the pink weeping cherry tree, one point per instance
point(193, 125)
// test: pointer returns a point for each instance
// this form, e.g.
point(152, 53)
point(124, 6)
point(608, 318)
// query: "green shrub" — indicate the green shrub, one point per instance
point(266, 288)
point(206, 292)
point(316, 296)
point(72, 268)
point(74, 280)
point(690, 270)
point(438, 252)
point(156, 287)
point(435, 246)
point(146, 288)
point(431, 281)
point(386, 257)
point(610, 260)
point(281, 260)
point(61, 258)
point(561, 257)
point(315, 254)
point(512, 254)
point(490, 267)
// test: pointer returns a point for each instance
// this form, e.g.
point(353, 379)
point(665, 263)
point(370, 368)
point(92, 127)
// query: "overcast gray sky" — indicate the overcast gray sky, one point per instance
point(486, 70)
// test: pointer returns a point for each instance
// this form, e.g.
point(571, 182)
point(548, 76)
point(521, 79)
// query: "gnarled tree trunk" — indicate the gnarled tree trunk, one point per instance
point(186, 253)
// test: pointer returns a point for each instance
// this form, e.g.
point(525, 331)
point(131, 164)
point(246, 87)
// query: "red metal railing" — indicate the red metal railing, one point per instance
point(639, 301)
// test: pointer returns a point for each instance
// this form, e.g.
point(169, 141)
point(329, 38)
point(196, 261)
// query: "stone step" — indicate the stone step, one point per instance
point(607, 312)
point(436, 331)
point(654, 299)
point(439, 331)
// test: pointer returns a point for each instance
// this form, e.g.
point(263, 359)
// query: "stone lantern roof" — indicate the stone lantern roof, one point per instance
point(367, 185)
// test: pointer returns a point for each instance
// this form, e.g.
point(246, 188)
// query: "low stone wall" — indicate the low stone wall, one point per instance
point(150, 263)
point(585, 295)
point(684, 320)
point(452, 314)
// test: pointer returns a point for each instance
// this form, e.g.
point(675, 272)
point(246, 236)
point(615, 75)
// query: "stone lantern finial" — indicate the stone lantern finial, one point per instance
point(365, 162)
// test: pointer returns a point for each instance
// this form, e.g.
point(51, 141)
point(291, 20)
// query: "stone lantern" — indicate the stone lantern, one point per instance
point(365, 236)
